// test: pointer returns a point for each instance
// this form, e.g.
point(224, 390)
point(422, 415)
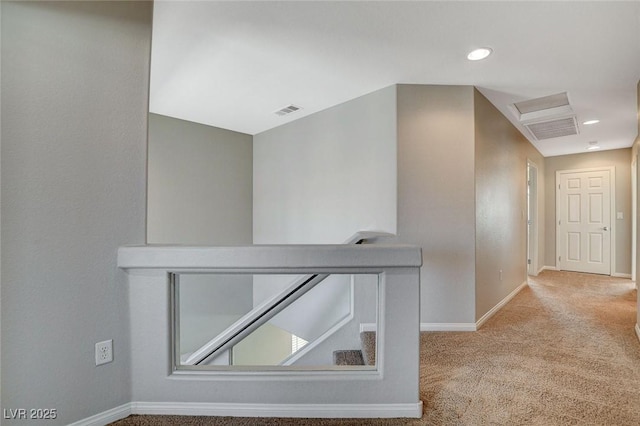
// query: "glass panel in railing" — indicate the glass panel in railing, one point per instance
point(314, 321)
point(206, 304)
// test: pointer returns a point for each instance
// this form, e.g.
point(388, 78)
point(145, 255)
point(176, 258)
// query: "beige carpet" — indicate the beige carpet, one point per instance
point(562, 352)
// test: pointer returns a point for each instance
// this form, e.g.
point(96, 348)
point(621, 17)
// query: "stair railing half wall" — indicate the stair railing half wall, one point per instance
point(389, 389)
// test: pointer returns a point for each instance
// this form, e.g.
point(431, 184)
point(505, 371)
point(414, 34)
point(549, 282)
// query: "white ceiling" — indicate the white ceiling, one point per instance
point(232, 64)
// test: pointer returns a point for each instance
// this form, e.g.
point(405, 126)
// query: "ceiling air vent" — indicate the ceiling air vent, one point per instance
point(547, 105)
point(287, 110)
point(547, 117)
point(553, 128)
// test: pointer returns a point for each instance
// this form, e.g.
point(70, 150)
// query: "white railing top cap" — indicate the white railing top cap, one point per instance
point(269, 257)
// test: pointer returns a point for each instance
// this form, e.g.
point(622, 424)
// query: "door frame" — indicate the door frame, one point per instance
point(634, 214)
point(532, 229)
point(612, 202)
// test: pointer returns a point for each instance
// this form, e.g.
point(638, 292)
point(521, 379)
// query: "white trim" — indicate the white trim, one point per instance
point(499, 306)
point(441, 326)
point(381, 339)
point(637, 328)
point(279, 410)
point(634, 213)
point(368, 326)
point(106, 417)
point(548, 268)
point(532, 229)
point(254, 410)
point(614, 202)
point(620, 275)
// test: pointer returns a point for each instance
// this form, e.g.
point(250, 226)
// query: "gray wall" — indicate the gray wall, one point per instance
point(501, 154)
point(74, 118)
point(621, 160)
point(436, 198)
point(324, 177)
point(0, 205)
point(199, 184)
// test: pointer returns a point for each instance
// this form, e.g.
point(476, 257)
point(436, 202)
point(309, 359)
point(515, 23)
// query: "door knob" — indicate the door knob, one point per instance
point(605, 229)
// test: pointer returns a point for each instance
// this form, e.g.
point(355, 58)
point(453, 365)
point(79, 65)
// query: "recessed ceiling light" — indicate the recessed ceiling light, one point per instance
point(591, 122)
point(479, 54)
point(593, 145)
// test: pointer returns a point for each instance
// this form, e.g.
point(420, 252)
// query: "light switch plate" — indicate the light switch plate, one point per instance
point(619, 215)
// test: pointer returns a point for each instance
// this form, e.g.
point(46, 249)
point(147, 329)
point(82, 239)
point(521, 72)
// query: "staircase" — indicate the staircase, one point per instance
point(364, 356)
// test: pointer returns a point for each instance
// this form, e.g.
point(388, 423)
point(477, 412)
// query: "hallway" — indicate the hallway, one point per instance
point(563, 351)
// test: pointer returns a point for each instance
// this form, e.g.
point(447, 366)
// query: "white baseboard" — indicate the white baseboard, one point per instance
point(637, 330)
point(255, 410)
point(619, 275)
point(499, 306)
point(615, 274)
point(106, 417)
point(431, 326)
point(279, 410)
point(441, 326)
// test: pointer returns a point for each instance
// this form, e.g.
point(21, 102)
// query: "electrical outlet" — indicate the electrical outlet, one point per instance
point(104, 352)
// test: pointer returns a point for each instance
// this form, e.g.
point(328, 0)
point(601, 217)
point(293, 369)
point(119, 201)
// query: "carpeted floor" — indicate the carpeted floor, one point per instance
point(562, 352)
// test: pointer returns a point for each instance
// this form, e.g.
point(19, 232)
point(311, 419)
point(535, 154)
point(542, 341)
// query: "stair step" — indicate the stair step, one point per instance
point(348, 357)
point(368, 339)
point(366, 356)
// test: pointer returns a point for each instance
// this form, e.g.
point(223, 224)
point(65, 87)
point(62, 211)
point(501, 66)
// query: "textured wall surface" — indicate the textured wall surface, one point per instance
point(436, 205)
point(325, 177)
point(199, 184)
point(501, 154)
point(74, 120)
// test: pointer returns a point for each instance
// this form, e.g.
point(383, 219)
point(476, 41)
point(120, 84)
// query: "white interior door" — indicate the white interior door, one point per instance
point(583, 208)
